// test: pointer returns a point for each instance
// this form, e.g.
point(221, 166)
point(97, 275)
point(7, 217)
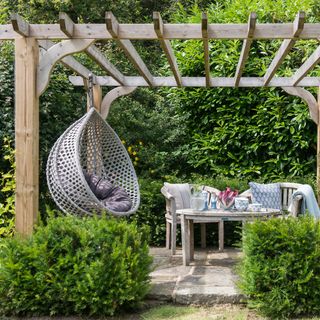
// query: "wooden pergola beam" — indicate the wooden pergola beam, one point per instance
point(126, 45)
point(166, 47)
point(285, 47)
point(245, 48)
point(171, 31)
point(245, 82)
point(308, 65)
point(19, 25)
point(204, 30)
point(67, 26)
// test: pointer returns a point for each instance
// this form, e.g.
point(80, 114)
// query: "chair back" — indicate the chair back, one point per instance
point(287, 189)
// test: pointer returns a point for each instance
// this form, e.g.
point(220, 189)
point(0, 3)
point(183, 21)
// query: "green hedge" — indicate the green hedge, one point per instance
point(89, 266)
point(280, 270)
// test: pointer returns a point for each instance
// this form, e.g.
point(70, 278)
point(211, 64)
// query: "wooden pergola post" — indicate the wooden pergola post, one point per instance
point(26, 134)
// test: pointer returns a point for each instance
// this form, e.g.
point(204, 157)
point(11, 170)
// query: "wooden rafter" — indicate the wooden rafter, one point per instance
point(126, 45)
point(67, 26)
point(285, 47)
point(245, 82)
point(19, 25)
point(204, 30)
point(245, 48)
point(166, 46)
point(308, 65)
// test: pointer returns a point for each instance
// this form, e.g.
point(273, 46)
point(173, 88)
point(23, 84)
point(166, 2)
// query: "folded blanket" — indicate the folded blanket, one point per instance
point(309, 201)
point(113, 197)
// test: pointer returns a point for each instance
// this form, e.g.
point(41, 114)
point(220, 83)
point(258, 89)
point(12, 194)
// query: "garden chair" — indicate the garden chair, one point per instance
point(178, 196)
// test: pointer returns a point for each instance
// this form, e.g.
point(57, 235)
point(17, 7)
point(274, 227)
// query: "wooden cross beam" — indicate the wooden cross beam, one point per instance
point(68, 27)
point(126, 45)
point(245, 82)
point(204, 30)
point(285, 47)
point(245, 48)
point(263, 31)
point(308, 65)
point(166, 47)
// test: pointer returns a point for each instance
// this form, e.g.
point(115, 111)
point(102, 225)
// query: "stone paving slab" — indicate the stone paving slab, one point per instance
point(209, 279)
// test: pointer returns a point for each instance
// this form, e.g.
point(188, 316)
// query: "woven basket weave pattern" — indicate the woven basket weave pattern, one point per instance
point(89, 144)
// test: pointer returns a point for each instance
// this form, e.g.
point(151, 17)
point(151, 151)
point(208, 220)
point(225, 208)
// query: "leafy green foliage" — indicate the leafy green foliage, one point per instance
point(89, 266)
point(155, 132)
point(7, 192)
point(258, 133)
point(280, 271)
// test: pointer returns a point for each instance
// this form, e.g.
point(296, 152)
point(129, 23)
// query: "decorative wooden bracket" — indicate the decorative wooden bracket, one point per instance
point(111, 96)
point(308, 98)
point(55, 54)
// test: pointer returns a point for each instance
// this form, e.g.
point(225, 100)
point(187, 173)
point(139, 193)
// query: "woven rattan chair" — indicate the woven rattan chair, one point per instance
point(89, 145)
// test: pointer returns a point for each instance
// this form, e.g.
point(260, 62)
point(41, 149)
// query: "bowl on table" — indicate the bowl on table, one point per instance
point(255, 207)
point(241, 203)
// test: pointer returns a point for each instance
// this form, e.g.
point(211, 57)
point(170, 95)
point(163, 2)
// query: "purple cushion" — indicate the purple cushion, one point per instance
point(113, 197)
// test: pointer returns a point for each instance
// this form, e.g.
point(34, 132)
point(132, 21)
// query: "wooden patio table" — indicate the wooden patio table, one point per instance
point(215, 215)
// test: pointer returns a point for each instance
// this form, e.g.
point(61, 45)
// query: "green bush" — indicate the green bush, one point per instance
point(7, 191)
point(93, 266)
point(280, 269)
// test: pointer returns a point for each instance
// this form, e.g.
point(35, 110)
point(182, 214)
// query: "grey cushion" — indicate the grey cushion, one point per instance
point(269, 195)
point(113, 197)
point(181, 193)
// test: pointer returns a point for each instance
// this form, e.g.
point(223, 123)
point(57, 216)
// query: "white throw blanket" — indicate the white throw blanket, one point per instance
point(309, 201)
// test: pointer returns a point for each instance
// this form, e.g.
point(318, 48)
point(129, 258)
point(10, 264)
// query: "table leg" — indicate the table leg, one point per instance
point(221, 235)
point(203, 235)
point(185, 233)
point(191, 239)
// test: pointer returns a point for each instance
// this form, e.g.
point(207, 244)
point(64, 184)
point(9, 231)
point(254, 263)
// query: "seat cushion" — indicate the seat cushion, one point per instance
point(112, 197)
point(269, 195)
point(181, 193)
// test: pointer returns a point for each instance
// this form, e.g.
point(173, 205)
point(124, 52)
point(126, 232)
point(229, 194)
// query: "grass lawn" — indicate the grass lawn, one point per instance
point(218, 312)
point(175, 312)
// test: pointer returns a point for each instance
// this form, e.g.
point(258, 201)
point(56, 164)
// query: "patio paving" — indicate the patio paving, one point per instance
point(208, 280)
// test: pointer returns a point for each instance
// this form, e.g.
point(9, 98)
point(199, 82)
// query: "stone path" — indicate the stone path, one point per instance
point(209, 280)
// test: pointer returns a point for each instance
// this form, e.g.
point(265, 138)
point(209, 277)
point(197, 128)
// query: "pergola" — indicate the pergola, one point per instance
point(36, 55)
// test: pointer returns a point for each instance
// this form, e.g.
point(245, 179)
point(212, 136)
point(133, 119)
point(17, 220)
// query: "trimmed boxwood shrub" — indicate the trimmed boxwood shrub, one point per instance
point(280, 269)
point(89, 266)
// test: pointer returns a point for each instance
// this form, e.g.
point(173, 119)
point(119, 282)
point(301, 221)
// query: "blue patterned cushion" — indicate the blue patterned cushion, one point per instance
point(269, 195)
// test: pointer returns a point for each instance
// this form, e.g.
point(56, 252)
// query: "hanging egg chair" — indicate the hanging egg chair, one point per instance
point(89, 170)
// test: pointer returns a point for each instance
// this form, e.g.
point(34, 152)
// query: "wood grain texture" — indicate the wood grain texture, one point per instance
point(26, 134)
